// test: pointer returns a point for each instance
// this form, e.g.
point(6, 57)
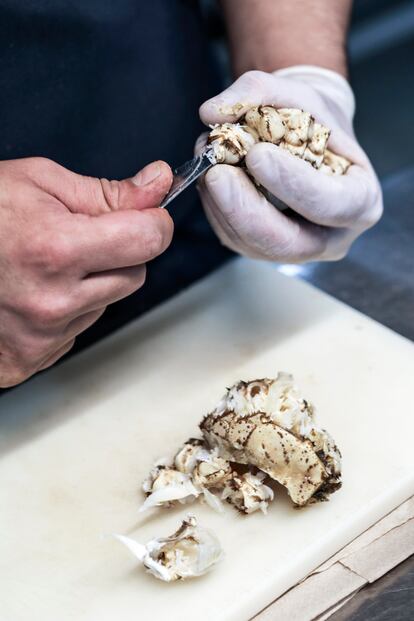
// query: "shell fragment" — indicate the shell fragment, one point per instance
point(247, 492)
point(267, 122)
point(165, 485)
point(291, 129)
point(190, 552)
point(194, 470)
point(231, 142)
point(266, 424)
point(334, 164)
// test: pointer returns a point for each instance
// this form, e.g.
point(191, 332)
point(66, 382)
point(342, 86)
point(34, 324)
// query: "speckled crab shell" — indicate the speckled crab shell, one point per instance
point(292, 129)
point(190, 552)
point(307, 466)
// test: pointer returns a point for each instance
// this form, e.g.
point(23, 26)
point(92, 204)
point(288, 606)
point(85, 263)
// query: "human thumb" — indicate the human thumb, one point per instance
point(95, 196)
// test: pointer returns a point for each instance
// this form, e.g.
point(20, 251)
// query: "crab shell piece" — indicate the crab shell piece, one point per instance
point(292, 129)
point(168, 487)
point(190, 552)
point(190, 454)
point(265, 424)
point(212, 473)
point(266, 121)
point(334, 164)
point(195, 470)
point(315, 149)
point(230, 142)
point(247, 492)
point(297, 123)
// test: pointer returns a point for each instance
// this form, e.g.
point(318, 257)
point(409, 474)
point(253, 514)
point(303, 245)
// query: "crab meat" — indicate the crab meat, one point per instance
point(267, 122)
point(165, 486)
point(190, 552)
point(334, 164)
point(191, 453)
point(267, 424)
point(315, 149)
point(298, 124)
point(212, 473)
point(196, 470)
point(291, 129)
point(231, 141)
point(247, 492)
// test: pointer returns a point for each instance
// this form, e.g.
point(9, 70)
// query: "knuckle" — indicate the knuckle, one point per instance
point(131, 279)
point(110, 192)
point(155, 242)
point(47, 311)
point(168, 229)
point(18, 369)
point(255, 77)
point(371, 216)
point(67, 347)
point(31, 349)
point(39, 165)
point(142, 276)
point(134, 281)
point(14, 376)
point(339, 254)
point(48, 252)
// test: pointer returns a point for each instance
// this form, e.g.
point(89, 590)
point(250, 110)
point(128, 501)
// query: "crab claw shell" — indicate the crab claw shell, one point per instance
point(190, 552)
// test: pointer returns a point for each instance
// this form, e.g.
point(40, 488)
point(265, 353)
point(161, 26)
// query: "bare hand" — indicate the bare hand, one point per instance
point(69, 246)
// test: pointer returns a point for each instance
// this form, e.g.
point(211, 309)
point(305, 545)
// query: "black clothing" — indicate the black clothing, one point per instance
point(103, 88)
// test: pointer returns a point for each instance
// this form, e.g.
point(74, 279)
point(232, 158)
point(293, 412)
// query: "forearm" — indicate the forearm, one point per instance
point(272, 34)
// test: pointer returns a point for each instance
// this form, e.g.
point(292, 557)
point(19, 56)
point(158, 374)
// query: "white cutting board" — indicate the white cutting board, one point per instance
point(78, 441)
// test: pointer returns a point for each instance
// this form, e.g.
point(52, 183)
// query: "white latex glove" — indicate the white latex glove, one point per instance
point(330, 211)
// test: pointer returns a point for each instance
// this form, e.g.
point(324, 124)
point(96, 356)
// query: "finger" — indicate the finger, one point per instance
point(82, 323)
point(93, 196)
point(335, 201)
point(253, 225)
point(104, 288)
point(119, 239)
point(216, 218)
point(48, 362)
point(259, 88)
point(255, 88)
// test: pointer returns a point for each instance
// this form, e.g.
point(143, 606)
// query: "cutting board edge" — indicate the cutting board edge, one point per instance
point(378, 511)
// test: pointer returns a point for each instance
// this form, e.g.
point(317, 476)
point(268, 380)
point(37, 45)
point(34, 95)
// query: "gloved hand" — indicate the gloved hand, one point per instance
point(330, 212)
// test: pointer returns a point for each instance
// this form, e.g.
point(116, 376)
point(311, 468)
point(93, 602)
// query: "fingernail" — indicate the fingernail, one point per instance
point(147, 175)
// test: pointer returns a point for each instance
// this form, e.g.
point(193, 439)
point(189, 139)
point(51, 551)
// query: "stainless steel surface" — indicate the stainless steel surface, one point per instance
point(377, 276)
point(186, 174)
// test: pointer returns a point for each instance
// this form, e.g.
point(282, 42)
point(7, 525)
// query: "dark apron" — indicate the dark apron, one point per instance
point(103, 88)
